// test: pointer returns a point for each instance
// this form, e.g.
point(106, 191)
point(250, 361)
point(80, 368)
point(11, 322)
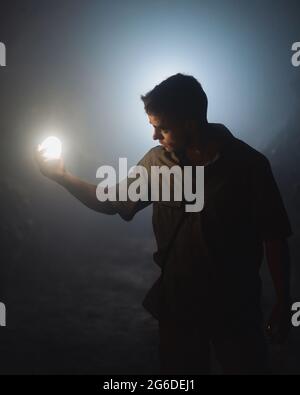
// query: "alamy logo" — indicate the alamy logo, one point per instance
point(2, 55)
point(296, 55)
point(159, 183)
point(2, 314)
point(296, 315)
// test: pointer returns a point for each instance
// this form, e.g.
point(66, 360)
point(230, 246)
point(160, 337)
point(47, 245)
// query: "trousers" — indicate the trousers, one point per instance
point(184, 348)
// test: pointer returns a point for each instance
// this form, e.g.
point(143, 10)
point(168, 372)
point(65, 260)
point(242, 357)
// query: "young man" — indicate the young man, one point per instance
point(210, 288)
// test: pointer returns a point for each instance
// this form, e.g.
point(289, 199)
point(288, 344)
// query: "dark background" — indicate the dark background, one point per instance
point(73, 280)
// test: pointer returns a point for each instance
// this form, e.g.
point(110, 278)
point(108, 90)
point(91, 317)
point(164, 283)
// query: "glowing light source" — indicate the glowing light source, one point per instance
point(52, 148)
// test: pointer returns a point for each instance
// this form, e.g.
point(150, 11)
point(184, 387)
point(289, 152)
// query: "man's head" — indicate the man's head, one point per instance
point(177, 108)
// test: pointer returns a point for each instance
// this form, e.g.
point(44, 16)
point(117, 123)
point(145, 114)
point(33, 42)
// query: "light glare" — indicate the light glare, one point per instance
point(52, 148)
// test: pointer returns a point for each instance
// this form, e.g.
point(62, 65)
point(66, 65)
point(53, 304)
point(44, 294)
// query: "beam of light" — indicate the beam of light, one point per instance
point(52, 148)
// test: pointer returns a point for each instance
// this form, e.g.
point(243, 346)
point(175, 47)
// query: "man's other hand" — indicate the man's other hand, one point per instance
point(279, 324)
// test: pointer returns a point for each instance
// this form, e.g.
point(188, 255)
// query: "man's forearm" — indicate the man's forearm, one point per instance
point(278, 258)
point(86, 193)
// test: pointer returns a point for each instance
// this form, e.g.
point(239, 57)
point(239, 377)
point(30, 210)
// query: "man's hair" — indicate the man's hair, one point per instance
point(180, 97)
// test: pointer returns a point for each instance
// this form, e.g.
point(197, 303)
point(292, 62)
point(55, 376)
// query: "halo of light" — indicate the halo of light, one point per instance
point(52, 146)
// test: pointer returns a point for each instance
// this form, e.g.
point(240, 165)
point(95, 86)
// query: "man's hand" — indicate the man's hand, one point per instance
point(51, 168)
point(279, 324)
point(278, 258)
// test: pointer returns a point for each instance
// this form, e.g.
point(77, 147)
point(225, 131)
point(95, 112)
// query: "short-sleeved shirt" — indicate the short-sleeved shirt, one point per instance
point(211, 273)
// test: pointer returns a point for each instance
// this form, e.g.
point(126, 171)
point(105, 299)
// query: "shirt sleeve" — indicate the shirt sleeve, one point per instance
point(140, 175)
point(270, 216)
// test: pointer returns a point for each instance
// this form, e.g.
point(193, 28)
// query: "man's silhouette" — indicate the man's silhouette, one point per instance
point(210, 289)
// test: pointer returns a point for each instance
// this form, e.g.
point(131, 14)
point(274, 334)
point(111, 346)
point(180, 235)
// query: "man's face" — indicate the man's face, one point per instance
point(170, 134)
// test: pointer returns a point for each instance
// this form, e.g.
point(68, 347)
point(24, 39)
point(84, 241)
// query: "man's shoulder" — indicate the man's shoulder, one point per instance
point(156, 152)
point(247, 154)
point(157, 156)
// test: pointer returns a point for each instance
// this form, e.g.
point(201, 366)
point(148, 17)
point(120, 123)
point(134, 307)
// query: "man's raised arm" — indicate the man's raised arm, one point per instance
point(81, 190)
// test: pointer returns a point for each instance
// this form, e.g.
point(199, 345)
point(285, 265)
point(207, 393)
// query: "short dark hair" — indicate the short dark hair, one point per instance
point(179, 96)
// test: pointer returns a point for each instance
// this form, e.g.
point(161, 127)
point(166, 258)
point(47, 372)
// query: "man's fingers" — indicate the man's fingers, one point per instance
point(41, 151)
point(39, 155)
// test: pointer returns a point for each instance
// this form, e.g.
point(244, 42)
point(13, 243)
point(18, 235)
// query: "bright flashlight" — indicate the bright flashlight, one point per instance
point(52, 148)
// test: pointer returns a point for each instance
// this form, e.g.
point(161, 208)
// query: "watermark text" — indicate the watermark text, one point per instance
point(296, 315)
point(296, 54)
point(2, 314)
point(157, 183)
point(2, 55)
